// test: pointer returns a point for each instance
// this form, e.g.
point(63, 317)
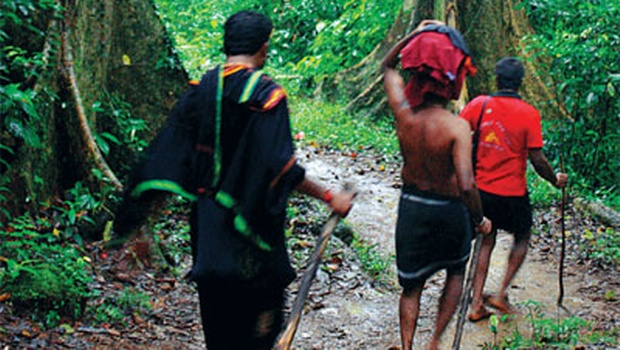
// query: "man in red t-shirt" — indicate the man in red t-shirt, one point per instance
point(509, 133)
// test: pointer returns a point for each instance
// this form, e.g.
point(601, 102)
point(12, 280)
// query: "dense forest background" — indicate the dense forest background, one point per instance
point(85, 85)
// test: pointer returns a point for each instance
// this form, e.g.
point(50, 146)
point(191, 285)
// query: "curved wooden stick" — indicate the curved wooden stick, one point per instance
point(286, 338)
point(466, 295)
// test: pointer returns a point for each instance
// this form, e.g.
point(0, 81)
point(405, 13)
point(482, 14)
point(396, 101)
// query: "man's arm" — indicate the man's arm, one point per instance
point(394, 83)
point(461, 155)
point(544, 169)
point(391, 58)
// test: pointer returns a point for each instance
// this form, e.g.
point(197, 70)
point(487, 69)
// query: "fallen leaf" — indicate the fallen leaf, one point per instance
point(610, 295)
point(4, 297)
point(67, 328)
point(166, 287)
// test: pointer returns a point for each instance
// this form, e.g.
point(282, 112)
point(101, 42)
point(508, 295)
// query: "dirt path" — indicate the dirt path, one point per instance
point(344, 310)
point(365, 318)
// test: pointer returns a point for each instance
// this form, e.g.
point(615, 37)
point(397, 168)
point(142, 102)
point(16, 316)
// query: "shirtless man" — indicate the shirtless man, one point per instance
point(440, 204)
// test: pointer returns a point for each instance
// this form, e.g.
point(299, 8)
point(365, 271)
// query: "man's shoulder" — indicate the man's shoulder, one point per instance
point(524, 108)
point(268, 94)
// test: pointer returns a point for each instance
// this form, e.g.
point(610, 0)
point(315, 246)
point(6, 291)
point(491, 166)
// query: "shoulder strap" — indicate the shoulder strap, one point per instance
point(474, 152)
point(217, 152)
point(250, 86)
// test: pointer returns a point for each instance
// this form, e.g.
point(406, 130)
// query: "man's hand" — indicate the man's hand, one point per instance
point(485, 226)
point(426, 22)
point(561, 180)
point(342, 202)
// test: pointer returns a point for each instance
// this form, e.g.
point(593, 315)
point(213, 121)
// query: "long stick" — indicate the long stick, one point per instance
point(286, 338)
point(563, 249)
point(466, 295)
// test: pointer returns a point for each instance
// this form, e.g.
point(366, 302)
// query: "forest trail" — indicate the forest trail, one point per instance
point(345, 309)
point(367, 318)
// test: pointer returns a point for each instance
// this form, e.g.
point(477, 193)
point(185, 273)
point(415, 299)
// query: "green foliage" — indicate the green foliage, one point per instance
point(604, 245)
point(21, 64)
point(197, 28)
point(313, 38)
point(113, 310)
point(123, 131)
point(326, 124)
point(547, 333)
point(579, 41)
point(344, 41)
point(375, 263)
point(47, 275)
point(4, 180)
point(107, 313)
point(172, 234)
point(134, 301)
point(44, 267)
point(19, 110)
point(542, 193)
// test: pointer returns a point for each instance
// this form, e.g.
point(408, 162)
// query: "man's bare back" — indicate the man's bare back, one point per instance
point(436, 147)
point(428, 140)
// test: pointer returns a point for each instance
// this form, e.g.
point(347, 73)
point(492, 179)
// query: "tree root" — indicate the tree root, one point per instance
point(92, 149)
point(607, 215)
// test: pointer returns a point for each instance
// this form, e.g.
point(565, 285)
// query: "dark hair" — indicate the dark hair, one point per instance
point(509, 73)
point(245, 32)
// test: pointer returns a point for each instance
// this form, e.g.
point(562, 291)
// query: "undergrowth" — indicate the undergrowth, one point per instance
point(542, 331)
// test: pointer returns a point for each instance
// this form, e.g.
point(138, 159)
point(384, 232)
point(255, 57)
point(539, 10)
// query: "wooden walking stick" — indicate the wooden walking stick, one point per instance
point(286, 338)
point(466, 295)
point(469, 278)
point(563, 247)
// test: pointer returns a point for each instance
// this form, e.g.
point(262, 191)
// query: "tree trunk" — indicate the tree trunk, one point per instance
point(362, 84)
point(492, 29)
point(98, 48)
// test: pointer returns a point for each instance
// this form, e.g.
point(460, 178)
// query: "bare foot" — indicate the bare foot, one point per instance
point(479, 314)
point(499, 303)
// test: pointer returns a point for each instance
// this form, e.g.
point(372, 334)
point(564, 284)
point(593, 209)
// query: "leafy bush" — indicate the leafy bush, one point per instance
point(43, 273)
point(547, 333)
point(20, 65)
point(542, 193)
point(114, 310)
point(313, 38)
point(604, 245)
point(579, 42)
point(42, 263)
point(123, 132)
point(374, 262)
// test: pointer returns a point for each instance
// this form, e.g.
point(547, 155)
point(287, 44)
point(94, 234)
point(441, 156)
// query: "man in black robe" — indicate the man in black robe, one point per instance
point(227, 148)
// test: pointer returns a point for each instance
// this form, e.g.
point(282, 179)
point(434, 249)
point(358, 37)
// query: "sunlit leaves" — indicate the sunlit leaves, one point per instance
point(311, 37)
point(580, 41)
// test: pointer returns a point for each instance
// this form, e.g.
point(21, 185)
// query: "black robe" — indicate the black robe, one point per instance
point(227, 148)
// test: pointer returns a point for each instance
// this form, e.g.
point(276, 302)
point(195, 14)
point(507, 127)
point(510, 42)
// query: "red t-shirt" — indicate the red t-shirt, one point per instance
point(509, 128)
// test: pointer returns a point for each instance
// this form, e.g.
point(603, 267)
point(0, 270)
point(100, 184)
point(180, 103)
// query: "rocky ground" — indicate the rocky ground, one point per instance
point(346, 308)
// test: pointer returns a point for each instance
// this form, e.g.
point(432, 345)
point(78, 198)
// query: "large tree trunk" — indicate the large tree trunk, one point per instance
point(362, 84)
point(98, 48)
point(492, 29)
